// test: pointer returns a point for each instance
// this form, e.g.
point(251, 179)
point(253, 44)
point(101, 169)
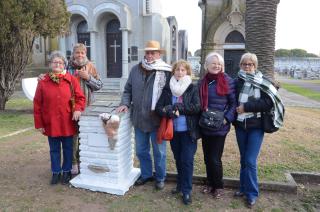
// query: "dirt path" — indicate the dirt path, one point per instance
point(24, 186)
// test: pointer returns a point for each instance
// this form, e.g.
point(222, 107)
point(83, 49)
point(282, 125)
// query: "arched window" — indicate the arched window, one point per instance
point(234, 37)
point(83, 35)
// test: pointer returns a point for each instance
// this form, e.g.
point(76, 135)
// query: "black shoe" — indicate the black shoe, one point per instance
point(186, 199)
point(175, 191)
point(142, 181)
point(55, 178)
point(159, 185)
point(251, 203)
point(66, 177)
point(238, 194)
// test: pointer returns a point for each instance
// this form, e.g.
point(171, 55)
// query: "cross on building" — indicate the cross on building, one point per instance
point(115, 46)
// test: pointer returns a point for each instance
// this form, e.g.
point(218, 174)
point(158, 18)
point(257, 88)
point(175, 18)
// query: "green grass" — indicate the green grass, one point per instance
point(19, 103)
point(301, 91)
point(17, 116)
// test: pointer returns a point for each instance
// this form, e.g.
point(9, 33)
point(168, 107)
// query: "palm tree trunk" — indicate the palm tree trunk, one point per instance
point(260, 27)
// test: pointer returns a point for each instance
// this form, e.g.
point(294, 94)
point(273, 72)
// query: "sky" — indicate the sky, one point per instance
point(298, 23)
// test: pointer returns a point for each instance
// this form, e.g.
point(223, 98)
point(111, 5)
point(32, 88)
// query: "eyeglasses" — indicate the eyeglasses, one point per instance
point(247, 64)
point(215, 64)
point(58, 63)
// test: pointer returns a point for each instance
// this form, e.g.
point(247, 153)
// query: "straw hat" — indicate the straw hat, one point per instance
point(153, 45)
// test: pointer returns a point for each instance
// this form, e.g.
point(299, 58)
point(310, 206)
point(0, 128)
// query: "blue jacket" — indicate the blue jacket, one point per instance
point(227, 103)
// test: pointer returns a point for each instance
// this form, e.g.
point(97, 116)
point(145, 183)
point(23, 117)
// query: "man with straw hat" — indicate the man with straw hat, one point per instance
point(141, 93)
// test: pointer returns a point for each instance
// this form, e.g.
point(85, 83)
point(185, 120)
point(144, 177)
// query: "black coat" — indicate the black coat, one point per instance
point(191, 108)
point(263, 104)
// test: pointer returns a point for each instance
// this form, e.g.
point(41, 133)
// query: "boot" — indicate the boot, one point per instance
point(55, 178)
point(66, 177)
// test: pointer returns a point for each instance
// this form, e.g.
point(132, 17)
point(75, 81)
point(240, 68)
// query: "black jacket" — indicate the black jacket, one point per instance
point(191, 108)
point(256, 105)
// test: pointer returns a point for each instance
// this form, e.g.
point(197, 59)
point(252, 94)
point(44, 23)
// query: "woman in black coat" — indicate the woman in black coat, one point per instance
point(255, 95)
point(180, 101)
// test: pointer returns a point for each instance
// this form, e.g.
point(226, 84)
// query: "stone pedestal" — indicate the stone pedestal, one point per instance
point(103, 169)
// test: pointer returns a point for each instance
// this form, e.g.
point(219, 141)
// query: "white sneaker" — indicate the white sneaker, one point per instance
point(75, 169)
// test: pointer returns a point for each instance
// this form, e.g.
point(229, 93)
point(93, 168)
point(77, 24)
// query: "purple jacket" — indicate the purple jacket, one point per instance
point(226, 103)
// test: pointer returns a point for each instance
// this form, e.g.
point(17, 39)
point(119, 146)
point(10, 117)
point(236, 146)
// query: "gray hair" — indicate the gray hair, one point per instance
point(250, 56)
point(57, 54)
point(210, 56)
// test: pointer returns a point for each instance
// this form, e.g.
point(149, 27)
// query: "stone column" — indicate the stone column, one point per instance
point(62, 45)
point(93, 46)
point(125, 70)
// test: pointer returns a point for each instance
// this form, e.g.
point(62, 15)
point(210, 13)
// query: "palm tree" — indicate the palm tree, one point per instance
point(260, 27)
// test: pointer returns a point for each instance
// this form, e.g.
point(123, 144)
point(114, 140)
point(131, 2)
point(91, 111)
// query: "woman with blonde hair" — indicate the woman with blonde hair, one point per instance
point(80, 66)
point(180, 101)
point(256, 94)
point(217, 93)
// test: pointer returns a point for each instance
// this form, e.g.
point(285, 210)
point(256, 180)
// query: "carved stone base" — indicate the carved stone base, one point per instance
point(98, 183)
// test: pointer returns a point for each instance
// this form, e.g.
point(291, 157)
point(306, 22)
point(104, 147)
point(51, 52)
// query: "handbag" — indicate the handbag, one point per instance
point(211, 119)
point(267, 122)
point(72, 99)
point(165, 131)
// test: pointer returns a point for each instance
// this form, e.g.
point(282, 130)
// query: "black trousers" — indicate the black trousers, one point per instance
point(212, 150)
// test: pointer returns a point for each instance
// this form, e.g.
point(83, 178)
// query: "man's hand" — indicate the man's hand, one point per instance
point(41, 77)
point(84, 74)
point(76, 115)
point(122, 108)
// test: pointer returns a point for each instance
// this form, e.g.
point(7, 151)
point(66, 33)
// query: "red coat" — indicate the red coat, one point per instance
point(52, 106)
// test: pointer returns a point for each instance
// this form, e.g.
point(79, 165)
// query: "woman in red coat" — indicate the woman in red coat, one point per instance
point(57, 105)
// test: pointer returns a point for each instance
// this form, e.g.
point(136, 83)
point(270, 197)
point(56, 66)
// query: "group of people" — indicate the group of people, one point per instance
point(154, 90)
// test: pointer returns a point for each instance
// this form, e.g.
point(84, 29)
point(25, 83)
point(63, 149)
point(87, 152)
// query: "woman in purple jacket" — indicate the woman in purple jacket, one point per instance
point(217, 91)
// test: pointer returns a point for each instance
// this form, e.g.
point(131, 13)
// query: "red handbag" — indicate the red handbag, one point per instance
point(165, 131)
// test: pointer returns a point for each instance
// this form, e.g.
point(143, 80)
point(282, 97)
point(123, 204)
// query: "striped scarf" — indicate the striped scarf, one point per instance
point(257, 80)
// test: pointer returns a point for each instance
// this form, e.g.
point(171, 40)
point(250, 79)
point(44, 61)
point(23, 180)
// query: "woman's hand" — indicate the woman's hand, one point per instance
point(76, 115)
point(41, 130)
point(84, 74)
point(240, 109)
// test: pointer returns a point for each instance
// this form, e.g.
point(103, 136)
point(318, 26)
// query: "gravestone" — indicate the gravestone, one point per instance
point(103, 168)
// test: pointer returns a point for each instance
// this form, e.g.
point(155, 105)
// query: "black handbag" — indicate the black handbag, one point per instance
point(211, 119)
point(267, 122)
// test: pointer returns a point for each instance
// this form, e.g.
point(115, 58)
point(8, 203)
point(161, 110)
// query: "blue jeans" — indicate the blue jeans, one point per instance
point(55, 153)
point(249, 142)
point(143, 154)
point(183, 149)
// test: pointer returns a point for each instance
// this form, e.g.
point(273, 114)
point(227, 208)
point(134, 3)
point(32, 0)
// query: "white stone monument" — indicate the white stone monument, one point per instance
point(29, 86)
point(101, 167)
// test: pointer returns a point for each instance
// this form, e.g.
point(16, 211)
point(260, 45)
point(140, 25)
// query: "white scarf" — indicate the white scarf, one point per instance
point(160, 79)
point(178, 87)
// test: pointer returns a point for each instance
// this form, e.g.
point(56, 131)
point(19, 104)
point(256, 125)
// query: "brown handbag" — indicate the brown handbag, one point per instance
point(165, 131)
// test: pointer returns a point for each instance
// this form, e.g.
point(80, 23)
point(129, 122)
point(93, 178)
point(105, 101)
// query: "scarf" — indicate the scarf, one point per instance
point(56, 77)
point(160, 79)
point(222, 87)
point(73, 68)
point(178, 87)
point(76, 64)
point(259, 81)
